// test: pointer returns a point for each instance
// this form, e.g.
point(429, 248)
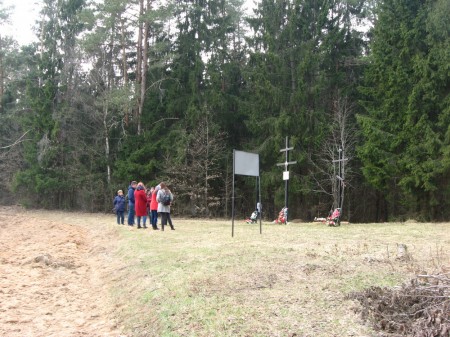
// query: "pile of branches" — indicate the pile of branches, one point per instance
point(419, 309)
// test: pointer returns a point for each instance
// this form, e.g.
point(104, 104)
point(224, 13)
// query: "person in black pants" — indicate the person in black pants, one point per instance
point(119, 205)
point(164, 198)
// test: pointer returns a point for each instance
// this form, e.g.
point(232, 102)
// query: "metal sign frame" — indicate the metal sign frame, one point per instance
point(246, 163)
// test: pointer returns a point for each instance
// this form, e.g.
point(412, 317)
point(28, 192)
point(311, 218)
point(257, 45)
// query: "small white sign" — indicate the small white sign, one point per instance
point(286, 175)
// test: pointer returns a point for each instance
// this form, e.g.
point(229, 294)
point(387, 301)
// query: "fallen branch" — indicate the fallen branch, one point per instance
point(18, 141)
point(163, 119)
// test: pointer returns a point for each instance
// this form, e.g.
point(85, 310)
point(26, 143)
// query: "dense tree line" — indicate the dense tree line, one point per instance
point(120, 90)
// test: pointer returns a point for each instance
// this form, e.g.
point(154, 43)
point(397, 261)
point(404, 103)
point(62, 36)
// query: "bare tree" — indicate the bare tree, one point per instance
point(110, 106)
point(331, 176)
point(194, 176)
point(11, 156)
point(4, 18)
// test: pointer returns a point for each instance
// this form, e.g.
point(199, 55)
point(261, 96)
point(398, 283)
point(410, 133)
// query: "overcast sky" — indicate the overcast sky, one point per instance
point(26, 13)
point(22, 20)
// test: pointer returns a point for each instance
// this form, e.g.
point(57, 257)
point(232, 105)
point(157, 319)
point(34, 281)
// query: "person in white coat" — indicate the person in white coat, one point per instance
point(164, 198)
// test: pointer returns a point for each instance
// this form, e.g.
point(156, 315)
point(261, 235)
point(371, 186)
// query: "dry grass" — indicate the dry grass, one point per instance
point(290, 281)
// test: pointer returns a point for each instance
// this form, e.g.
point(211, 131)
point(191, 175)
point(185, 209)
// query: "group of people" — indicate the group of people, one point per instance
point(145, 202)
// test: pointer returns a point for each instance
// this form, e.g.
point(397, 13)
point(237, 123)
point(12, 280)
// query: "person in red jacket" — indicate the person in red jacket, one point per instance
point(140, 202)
point(154, 208)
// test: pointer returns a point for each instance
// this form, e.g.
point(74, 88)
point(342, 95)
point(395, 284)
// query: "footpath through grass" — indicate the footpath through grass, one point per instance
point(290, 281)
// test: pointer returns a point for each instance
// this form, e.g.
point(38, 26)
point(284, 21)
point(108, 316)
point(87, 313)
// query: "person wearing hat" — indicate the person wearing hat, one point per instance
point(119, 205)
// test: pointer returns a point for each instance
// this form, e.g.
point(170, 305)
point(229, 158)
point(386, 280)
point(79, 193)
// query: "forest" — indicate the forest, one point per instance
point(150, 90)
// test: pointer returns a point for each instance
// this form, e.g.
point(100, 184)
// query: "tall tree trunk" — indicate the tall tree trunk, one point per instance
point(206, 167)
point(142, 63)
point(2, 72)
point(107, 147)
point(292, 66)
point(124, 62)
point(139, 62)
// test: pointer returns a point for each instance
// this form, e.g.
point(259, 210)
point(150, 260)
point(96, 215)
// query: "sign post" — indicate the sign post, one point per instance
point(247, 164)
point(286, 171)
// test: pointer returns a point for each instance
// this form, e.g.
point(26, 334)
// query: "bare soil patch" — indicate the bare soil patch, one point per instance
point(51, 276)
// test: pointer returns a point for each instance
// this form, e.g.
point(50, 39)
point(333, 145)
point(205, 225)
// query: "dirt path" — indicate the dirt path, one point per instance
point(52, 275)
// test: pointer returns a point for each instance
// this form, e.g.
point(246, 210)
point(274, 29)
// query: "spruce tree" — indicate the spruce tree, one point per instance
point(405, 97)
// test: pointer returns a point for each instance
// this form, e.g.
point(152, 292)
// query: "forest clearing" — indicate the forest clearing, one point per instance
point(80, 274)
point(347, 96)
point(111, 91)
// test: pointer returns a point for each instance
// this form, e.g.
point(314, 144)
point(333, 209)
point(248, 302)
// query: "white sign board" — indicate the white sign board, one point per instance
point(246, 163)
point(285, 175)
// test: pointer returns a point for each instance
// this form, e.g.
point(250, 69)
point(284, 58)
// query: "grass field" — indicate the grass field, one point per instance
point(290, 281)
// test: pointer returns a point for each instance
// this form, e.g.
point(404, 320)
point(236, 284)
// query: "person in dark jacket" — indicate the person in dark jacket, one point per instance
point(119, 205)
point(131, 189)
